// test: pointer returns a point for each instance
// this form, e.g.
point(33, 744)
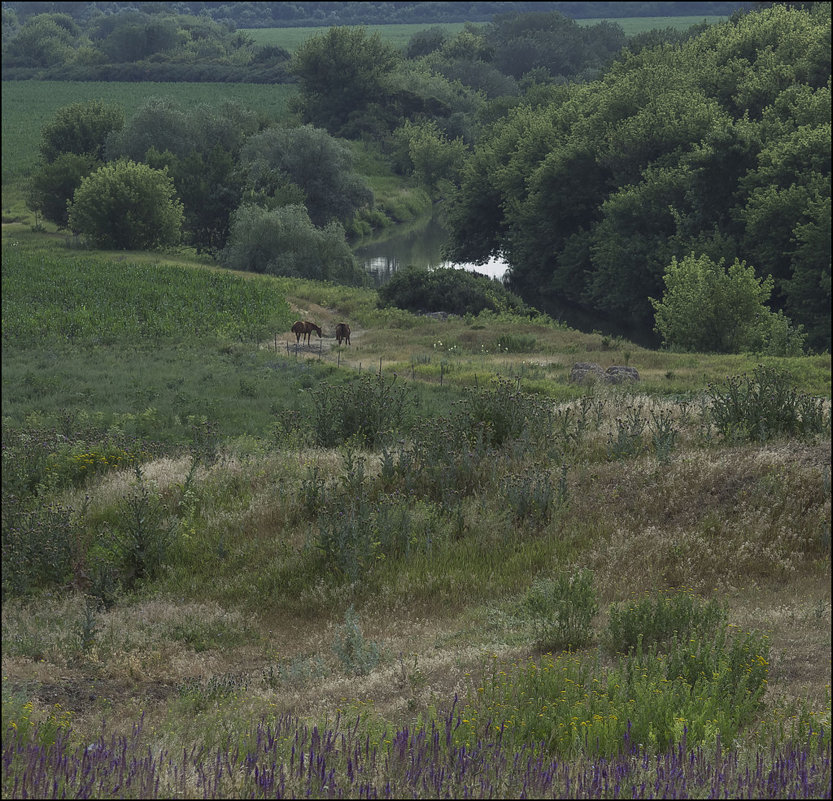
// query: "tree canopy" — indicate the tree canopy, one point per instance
point(718, 145)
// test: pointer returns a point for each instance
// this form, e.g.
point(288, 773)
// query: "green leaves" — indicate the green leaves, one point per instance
point(127, 206)
point(710, 309)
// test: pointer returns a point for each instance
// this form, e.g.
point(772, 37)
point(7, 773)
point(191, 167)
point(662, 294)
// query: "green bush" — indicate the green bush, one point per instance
point(367, 409)
point(127, 206)
point(284, 241)
point(658, 618)
point(561, 609)
point(701, 689)
point(764, 405)
point(707, 307)
point(357, 655)
point(448, 290)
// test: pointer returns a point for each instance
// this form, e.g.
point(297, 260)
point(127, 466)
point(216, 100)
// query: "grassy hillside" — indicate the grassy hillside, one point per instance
point(209, 531)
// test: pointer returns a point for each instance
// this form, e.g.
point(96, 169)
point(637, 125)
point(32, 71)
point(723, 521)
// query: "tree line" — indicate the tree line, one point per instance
point(593, 170)
point(370, 12)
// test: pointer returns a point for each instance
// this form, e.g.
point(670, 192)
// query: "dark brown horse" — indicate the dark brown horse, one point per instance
point(343, 332)
point(304, 328)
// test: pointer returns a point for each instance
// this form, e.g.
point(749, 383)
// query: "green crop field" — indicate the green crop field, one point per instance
point(633, 25)
point(398, 35)
point(29, 105)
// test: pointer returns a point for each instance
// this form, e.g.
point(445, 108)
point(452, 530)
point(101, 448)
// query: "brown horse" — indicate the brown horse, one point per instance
point(343, 332)
point(304, 329)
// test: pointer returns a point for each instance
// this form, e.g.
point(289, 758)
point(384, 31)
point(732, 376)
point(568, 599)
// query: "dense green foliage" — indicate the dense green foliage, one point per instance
point(284, 241)
point(447, 290)
point(307, 163)
point(719, 145)
point(81, 129)
point(126, 206)
point(707, 307)
point(135, 45)
point(589, 172)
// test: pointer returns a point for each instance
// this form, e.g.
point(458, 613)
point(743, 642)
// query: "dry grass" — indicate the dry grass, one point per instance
point(745, 523)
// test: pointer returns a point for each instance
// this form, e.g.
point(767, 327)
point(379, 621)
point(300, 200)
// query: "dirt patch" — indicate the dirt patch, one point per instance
point(79, 695)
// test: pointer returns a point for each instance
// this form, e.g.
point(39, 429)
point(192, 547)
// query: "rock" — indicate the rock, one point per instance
point(586, 373)
point(616, 374)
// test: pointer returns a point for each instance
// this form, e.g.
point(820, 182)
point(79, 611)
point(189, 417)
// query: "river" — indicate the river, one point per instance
point(420, 244)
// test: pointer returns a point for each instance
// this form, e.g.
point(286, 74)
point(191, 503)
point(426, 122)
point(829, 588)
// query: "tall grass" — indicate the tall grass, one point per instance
point(193, 520)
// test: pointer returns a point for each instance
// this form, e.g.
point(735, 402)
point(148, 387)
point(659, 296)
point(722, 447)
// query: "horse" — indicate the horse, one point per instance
point(343, 332)
point(304, 328)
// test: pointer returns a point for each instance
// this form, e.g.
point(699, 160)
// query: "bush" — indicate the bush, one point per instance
point(764, 406)
point(127, 206)
point(357, 655)
point(284, 241)
point(368, 410)
point(562, 609)
point(448, 290)
point(656, 619)
point(81, 129)
point(53, 185)
point(708, 308)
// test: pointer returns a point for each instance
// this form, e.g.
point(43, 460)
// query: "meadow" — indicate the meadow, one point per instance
point(425, 564)
point(399, 35)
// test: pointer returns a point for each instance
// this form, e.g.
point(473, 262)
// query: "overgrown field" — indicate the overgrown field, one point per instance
point(425, 564)
point(29, 105)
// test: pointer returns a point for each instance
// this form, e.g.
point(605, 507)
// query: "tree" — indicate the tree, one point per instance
point(284, 241)
point(53, 184)
point(311, 160)
point(81, 128)
point(42, 41)
point(707, 308)
point(436, 161)
point(340, 73)
point(127, 206)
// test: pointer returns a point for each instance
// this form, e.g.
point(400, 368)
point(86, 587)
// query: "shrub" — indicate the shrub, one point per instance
point(763, 406)
point(562, 609)
point(367, 410)
point(127, 206)
point(357, 655)
point(143, 537)
point(82, 129)
point(53, 185)
point(284, 241)
point(448, 290)
point(658, 618)
point(707, 307)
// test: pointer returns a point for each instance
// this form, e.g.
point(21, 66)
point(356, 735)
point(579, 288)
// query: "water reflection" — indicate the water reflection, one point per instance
point(419, 245)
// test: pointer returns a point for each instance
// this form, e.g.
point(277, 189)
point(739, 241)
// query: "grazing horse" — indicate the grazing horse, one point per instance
point(343, 332)
point(304, 328)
